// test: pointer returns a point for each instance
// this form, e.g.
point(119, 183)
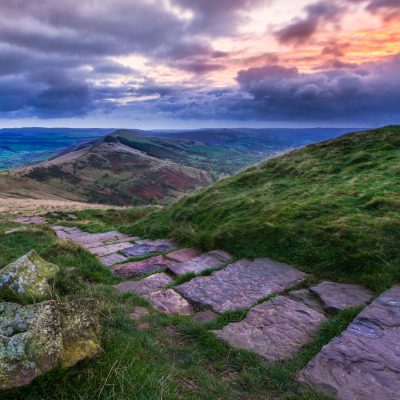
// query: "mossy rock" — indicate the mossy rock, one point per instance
point(28, 276)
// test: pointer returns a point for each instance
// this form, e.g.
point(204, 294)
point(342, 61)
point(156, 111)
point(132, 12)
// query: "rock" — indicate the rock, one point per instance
point(339, 296)
point(37, 338)
point(240, 285)
point(184, 254)
point(16, 230)
point(136, 268)
point(169, 302)
point(112, 259)
point(30, 342)
point(276, 329)
point(146, 286)
point(110, 248)
point(149, 247)
point(80, 327)
point(205, 316)
point(307, 297)
point(30, 220)
point(363, 363)
point(211, 260)
point(29, 275)
point(72, 217)
point(139, 313)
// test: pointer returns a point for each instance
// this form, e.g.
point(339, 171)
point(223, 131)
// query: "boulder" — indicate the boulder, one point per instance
point(29, 275)
point(37, 338)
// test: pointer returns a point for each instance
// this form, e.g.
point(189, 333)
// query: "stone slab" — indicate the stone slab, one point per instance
point(363, 363)
point(146, 286)
point(210, 260)
point(100, 237)
point(111, 248)
point(168, 301)
point(136, 268)
point(339, 296)
point(112, 259)
point(307, 297)
point(184, 254)
point(205, 316)
point(241, 284)
point(30, 220)
point(276, 329)
point(149, 247)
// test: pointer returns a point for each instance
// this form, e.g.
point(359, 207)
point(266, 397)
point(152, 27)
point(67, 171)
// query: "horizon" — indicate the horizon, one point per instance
point(177, 64)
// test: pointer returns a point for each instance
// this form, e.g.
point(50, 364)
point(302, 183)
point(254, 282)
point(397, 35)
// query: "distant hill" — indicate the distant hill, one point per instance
point(331, 208)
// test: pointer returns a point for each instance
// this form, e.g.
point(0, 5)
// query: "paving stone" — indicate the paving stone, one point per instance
point(148, 247)
point(112, 259)
point(170, 302)
point(363, 363)
point(276, 329)
point(111, 248)
point(30, 220)
point(241, 284)
point(139, 313)
point(205, 316)
point(307, 297)
point(210, 260)
point(136, 268)
point(101, 237)
point(124, 239)
point(146, 286)
point(339, 296)
point(184, 254)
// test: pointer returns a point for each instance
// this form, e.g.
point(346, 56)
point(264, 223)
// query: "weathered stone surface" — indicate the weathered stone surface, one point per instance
point(111, 248)
point(80, 327)
point(363, 363)
point(100, 237)
point(205, 316)
point(170, 302)
point(307, 297)
point(276, 329)
point(133, 269)
point(16, 230)
point(30, 220)
point(30, 342)
point(146, 286)
point(112, 259)
point(36, 338)
point(210, 260)
point(184, 254)
point(139, 313)
point(339, 296)
point(241, 284)
point(149, 247)
point(29, 275)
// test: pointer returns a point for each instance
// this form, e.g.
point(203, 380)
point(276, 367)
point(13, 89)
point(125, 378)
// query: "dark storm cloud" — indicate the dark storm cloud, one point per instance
point(300, 30)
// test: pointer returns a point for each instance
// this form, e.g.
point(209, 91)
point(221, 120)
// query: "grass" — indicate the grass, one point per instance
point(332, 209)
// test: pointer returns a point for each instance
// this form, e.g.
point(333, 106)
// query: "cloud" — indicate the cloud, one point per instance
point(301, 30)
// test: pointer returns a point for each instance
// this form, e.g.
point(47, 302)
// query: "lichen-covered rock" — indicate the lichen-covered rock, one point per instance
point(29, 275)
point(80, 330)
point(30, 342)
point(36, 338)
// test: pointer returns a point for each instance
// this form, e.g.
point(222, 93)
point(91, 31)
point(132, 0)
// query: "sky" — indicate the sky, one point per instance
point(166, 64)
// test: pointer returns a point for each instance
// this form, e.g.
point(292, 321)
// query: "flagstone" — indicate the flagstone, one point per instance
point(149, 247)
point(112, 259)
point(169, 302)
point(363, 363)
point(146, 286)
point(241, 284)
point(184, 254)
point(276, 329)
point(211, 260)
point(136, 268)
point(111, 248)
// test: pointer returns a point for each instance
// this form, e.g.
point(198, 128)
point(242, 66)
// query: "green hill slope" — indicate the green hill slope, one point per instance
point(333, 209)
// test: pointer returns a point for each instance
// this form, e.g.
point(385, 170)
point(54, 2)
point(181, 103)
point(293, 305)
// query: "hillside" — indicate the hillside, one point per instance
point(105, 171)
point(330, 208)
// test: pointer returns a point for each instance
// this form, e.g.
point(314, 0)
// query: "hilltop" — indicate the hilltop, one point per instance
point(331, 208)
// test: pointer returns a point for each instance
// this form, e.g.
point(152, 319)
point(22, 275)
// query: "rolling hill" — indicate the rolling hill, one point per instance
point(331, 208)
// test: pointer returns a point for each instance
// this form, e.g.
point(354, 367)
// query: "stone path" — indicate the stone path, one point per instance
point(241, 284)
point(276, 329)
point(363, 363)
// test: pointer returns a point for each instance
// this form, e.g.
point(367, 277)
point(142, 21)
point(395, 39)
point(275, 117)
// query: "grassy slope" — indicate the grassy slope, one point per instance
point(332, 209)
